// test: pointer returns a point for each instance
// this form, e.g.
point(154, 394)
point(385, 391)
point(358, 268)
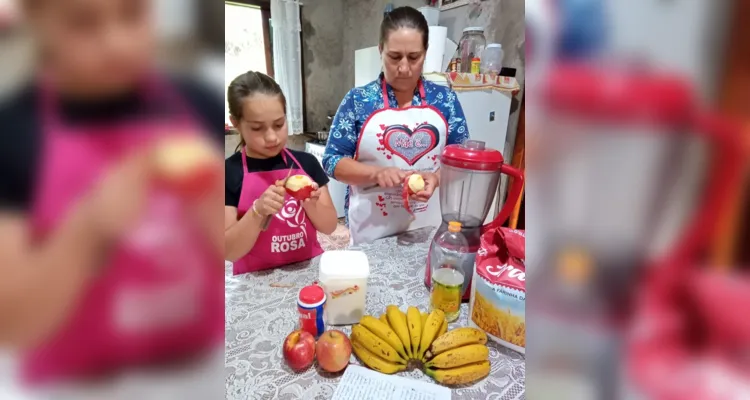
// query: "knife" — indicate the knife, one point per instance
point(267, 221)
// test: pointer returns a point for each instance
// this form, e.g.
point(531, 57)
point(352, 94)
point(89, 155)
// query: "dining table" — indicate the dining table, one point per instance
point(261, 311)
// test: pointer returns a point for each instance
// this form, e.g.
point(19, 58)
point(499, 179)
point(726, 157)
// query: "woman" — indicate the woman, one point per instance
point(390, 128)
point(104, 264)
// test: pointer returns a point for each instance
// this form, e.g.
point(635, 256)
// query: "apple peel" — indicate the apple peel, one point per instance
point(300, 187)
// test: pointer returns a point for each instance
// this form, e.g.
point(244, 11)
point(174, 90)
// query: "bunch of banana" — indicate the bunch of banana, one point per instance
point(387, 343)
point(458, 357)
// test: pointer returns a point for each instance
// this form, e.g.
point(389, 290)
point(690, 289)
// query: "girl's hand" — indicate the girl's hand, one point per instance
point(272, 200)
point(116, 205)
point(431, 182)
point(314, 196)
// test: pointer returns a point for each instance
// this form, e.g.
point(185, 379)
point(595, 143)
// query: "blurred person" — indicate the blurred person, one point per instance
point(255, 177)
point(399, 100)
point(104, 266)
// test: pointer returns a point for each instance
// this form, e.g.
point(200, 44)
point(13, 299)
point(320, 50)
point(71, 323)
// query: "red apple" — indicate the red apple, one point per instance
point(299, 350)
point(300, 187)
point(334, 350)
point(415, 183)
point(186, 165)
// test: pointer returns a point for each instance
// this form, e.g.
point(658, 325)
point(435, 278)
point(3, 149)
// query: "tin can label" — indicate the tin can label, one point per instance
point(311, 319)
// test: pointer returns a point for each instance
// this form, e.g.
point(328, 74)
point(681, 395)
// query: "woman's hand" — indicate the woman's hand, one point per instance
point(390, 177)
point(271, 201)
point(431, 182)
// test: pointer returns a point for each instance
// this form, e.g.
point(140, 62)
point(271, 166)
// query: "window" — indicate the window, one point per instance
point(247, 44)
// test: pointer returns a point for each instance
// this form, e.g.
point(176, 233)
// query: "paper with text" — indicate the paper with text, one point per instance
point(365, 384)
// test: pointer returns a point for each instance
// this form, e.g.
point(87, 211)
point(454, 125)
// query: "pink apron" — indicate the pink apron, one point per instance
point(161, 293)
point(291, 236)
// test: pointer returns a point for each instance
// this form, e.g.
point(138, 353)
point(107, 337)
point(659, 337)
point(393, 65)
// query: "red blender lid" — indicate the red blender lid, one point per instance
point(620, 95)
point(311, 296)
point(472, 155)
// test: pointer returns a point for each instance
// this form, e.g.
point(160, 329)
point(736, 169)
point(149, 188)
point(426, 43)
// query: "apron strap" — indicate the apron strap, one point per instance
point(284, 153)
point(294, 159)
point(420, 85)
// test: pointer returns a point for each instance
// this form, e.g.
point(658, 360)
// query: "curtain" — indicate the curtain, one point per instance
point(287, 57)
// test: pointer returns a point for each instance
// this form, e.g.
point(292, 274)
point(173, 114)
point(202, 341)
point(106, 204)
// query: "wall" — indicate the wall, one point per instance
point(503, 22)
point(323, 56)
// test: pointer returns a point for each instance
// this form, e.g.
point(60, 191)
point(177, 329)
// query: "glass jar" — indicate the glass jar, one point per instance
point(471, 46)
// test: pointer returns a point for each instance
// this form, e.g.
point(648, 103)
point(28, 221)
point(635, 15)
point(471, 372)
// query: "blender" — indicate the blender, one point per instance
point(469, 180)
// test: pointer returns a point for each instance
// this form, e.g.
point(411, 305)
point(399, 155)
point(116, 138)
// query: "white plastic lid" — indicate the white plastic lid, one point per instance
point(493, 45)
point(474, 28)
point(343, 264)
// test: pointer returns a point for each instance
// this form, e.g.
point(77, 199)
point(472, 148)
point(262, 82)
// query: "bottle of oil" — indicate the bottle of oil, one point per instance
point(447, 273)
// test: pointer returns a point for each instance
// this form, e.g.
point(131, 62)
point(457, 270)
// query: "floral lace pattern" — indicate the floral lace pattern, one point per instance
point(261, 311)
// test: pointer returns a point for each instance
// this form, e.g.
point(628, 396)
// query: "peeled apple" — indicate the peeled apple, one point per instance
point(300, 187)
point(187, 165)
point(415, 183)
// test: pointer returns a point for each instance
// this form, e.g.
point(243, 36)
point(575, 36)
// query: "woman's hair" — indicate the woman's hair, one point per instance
point(404, 17)
point(249, 84)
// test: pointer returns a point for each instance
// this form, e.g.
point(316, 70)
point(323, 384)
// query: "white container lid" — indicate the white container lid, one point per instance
point(474, 28)
point(343, 264)
point(493, 45)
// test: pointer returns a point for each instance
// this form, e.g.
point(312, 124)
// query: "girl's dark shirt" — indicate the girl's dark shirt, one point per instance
point(21, 129)
point(234, 175)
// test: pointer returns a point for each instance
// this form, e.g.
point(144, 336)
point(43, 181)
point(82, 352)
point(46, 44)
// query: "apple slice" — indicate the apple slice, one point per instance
point(300, 187)
point(186, 164)
point(415, 183)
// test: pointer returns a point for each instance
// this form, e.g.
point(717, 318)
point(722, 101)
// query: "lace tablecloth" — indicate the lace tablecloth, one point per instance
point(261, 312)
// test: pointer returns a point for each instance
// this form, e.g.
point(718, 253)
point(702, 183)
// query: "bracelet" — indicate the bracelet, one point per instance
point(254, 210)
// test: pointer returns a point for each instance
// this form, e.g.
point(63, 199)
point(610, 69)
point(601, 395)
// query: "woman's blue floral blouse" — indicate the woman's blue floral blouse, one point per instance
point(360, 102)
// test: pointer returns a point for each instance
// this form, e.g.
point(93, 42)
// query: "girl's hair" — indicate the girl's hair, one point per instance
point(249, 84)
point(404, 17)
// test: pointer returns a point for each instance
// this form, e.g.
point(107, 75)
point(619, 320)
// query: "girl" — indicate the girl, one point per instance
point(254, 184)
point(102, 267)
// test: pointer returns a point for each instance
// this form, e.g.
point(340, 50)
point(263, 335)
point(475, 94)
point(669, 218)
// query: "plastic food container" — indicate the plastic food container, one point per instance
point(492, 59)
point(343, 276)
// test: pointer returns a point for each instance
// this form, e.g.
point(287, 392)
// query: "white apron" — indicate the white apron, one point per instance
point(409, 138)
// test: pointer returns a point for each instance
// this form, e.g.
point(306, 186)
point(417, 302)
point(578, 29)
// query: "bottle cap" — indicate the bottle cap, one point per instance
point(475, 59)
point(311, 296)
point(454, 226)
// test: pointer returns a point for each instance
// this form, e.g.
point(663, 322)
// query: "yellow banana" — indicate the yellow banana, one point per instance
point(397, 321)
point(384, 332)
point(457, 338)
point(430, 330)
point(460, 356)
point(383, 319)
point(443, 329)
point(424, 317)
point(375, 345)
point(461, 375)
point(414, 322)
point(375, 362)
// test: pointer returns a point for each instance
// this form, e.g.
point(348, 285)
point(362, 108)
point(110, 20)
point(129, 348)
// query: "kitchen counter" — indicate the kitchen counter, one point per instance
point(261, 312)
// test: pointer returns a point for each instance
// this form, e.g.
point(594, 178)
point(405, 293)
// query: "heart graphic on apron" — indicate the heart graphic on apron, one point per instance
point(410, 145)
